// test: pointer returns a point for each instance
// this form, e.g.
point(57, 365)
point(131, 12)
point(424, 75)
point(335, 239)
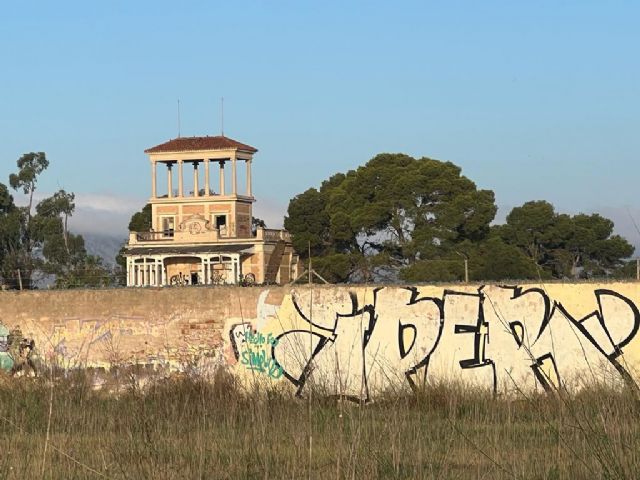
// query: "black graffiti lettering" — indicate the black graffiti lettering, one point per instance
point(548, 378)
point(351, 346)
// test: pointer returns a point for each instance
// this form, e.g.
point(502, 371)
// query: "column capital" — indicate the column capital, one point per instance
point(196, 183)
point(169, 180)
point(222, 192)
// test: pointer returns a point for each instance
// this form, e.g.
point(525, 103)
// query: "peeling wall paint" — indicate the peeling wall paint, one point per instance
point(350, 341)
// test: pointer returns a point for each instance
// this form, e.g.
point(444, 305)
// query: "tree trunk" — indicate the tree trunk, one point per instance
point(66, 235)
point(28, 233)
point(574, 266)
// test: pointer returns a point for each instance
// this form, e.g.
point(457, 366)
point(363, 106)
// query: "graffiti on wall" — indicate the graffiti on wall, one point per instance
point(354, 342)
point(16, 352)
point(254, 350)
point(505, 338)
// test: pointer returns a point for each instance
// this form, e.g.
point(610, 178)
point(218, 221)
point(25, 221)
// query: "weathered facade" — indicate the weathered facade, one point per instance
point(206, 236)
point(354, 341)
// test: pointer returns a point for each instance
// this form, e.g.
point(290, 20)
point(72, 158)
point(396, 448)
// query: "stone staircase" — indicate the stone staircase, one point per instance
point(275, 260)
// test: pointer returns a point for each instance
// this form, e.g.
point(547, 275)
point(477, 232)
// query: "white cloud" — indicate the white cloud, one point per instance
point(103, 213)
point(97, 213)
point(109, 202)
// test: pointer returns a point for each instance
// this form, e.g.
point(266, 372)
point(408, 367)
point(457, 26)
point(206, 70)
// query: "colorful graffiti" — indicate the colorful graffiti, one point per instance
point(507, 338)
point(254, 350)
point(16, 352)
point(6, 360)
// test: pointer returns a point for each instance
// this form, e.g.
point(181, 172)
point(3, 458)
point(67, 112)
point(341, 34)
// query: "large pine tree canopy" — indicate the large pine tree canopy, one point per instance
point(400, 218)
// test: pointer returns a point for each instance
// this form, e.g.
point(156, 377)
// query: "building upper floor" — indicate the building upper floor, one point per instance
point(197, 167)
point(208, 205)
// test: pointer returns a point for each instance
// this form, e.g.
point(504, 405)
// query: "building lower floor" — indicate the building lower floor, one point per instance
point(210, 265)
point(160, 270)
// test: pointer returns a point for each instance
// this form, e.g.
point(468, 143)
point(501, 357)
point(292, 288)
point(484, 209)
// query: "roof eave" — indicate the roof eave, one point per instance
point(151, 151)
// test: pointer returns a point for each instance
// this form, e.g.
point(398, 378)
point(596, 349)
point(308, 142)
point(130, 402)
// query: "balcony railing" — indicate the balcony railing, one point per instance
point(154, 236)
point(217, 235)
point(272, 235)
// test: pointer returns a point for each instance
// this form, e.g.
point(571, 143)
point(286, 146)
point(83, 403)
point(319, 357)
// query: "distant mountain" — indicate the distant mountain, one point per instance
point(104, 246)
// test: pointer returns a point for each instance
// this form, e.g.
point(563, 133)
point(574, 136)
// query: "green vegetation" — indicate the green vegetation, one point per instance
point(186, 427)
point(563, 245)
point(41, 243)
point(388, 216)
point(141, 221)
point(400, 218)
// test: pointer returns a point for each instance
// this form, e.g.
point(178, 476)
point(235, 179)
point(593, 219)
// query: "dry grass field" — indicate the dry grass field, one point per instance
point(188, 428)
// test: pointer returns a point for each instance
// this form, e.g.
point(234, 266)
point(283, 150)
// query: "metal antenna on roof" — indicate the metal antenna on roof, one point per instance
point(178, 118)
point(222, 116)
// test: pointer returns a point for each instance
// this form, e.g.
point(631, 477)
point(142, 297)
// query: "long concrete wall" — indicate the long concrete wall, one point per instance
point(351, 341)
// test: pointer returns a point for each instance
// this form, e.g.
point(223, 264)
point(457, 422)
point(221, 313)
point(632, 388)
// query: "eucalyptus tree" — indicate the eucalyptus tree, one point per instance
point(40, 242)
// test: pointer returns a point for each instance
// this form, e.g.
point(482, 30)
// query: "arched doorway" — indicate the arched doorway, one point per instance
point(184, 270)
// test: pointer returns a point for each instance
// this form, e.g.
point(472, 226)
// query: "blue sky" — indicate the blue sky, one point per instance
point(534, 100)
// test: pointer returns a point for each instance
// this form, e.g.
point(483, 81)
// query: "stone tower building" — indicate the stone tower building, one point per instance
point(205, 235)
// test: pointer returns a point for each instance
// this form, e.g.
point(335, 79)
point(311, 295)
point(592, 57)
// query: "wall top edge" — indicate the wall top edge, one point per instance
point(193, 290)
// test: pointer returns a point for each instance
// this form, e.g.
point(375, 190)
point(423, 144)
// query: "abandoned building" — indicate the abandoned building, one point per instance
point(206, 235)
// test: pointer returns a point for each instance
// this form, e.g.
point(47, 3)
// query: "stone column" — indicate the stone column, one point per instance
point(180, 183)
point(154, 191)
point(196, 183)
point(236, 270)
point(234, 182)
point(169, 180)
point(221, 177)
point(165, 279)
point(249, 178)
point(206, 177)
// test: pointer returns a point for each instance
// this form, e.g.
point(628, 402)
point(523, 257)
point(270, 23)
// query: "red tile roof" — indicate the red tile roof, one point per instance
point(192, 144)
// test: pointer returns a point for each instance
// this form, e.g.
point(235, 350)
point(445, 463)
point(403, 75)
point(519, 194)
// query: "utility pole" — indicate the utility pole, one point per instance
point(310, 391)
point(310, 268)
point(466, 270)
point(19, 279)
point(466, 266)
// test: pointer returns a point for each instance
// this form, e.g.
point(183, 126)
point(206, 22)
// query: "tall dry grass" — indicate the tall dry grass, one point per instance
point(189, 427)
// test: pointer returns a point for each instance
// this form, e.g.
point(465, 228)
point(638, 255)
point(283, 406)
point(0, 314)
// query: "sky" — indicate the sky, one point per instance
point(534, 100)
